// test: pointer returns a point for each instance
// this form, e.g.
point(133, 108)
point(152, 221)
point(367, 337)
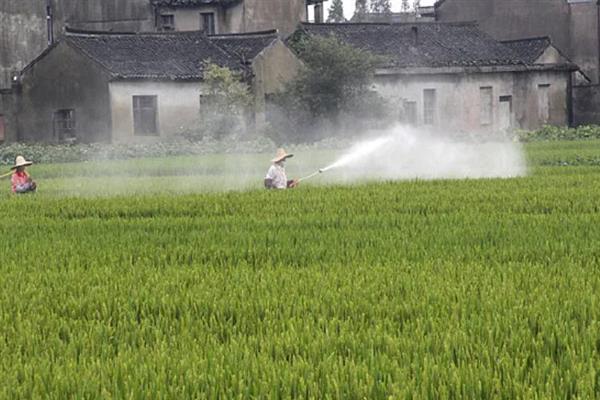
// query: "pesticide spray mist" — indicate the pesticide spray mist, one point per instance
point(405, 153)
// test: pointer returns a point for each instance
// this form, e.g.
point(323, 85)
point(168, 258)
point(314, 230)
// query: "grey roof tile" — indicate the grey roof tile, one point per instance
point(422, 44)
point(530, 49)
point(168, 56)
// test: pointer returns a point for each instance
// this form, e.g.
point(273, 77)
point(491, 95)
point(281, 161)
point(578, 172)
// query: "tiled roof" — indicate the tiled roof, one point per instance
point(245, 46)
point(169, 56)
point(193, 3)
point(529, 50)
point(422, 44)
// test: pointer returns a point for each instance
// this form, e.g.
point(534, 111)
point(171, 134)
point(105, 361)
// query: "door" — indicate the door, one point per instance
point(505, 114)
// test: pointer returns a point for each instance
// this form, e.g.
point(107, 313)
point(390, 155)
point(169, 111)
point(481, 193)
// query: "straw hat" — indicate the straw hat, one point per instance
point(281, 155)
point(21, 162)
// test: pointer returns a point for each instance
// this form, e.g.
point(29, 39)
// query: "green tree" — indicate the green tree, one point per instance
point(361, 10)
point(335, 82)
point(416, 5)
point(225, 101)
point(336, 12)
point(405, 5)
point(381, 6)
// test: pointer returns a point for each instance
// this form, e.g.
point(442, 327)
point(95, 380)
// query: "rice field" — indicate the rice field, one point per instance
point(439, 289)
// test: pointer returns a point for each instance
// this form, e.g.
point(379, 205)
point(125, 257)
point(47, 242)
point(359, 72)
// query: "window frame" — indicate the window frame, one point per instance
point(213, 22)
point(167, 27)
point(141, 111)
point(429, 106)
point(486, 105)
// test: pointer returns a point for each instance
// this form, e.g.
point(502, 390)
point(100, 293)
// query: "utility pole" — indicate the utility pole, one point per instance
point(49, 22)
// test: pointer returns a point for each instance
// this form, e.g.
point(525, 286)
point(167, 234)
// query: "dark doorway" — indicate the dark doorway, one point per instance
point(64, 126)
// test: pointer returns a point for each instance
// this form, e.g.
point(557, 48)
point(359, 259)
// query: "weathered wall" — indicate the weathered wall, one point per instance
point(7, 115)
point(64, 79)
point(272, 69)
point(458, 107)
point(573, 27)
point(284, 15)
point(23, 32)
point(585, 45)
point(586, 105)
point(248, 16)
point(178, 107)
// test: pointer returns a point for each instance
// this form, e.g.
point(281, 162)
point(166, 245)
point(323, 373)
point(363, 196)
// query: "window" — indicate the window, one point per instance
point(543, 103)
point(207, 21)
point(410, 112)
point(144, 115)
point(505, 113)
point(167, 22)
point(486, 103)
point(429, 100)
point(2, 134)
point(64, 125)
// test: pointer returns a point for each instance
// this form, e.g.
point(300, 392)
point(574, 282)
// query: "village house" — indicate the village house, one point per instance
point(27, 27)
point(136, 87)
point(234, 16)
point(573, 26)
point(456, 78)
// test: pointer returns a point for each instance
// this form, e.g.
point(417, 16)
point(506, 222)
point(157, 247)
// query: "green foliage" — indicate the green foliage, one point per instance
point(441, 289)
point(334, 84)
point(225, 106)
point(360, 11)
point(336, 12)
point(381, 6)
point(50, 153)
point(550, 132)
point(405, 6)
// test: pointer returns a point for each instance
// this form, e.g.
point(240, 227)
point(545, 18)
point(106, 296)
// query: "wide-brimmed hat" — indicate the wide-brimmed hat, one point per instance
point(21, 162)
point(281, 155)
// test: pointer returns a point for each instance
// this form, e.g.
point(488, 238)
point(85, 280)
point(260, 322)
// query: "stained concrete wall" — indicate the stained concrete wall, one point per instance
point(458, 106)
point(23, 28)
point(8, 100)
point(178, 107)
point(272, 69)
point(586, 104)
point(64, 79)
point(247, 16)
point(573, 27)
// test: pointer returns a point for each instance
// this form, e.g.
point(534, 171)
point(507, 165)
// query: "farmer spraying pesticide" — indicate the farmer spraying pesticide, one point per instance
point(20, 180)
point(276, 177)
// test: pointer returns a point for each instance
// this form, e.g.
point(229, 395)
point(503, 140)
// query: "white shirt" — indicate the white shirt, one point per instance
point(277, 175)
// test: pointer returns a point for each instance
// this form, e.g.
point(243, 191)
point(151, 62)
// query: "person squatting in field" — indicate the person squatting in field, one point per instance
point(276, 177)
point(20, 180)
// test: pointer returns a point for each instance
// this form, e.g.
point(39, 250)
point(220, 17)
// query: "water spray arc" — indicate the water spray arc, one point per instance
point(359, 152)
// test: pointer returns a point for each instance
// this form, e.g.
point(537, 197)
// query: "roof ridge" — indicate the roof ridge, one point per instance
point(527, 39)
point(87, 32)
point(245, 34)
point(457, 23)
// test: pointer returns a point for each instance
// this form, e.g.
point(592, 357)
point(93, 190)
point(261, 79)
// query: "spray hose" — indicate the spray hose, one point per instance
point(5, 175)
point(311, 175)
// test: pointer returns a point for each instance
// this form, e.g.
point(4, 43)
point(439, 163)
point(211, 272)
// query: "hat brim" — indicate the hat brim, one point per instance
point(26, 164)
point(277, 159)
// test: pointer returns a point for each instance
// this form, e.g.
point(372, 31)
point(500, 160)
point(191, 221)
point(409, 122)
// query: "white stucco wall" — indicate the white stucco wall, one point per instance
point(178, 105)
point(458, 106)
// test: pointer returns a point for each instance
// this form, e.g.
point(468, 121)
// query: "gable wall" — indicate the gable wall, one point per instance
point(23, 32)
point(573, 28)
point(64, 79)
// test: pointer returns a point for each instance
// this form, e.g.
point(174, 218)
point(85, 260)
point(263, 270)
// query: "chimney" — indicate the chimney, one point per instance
point(415, 35)
point(318, 13)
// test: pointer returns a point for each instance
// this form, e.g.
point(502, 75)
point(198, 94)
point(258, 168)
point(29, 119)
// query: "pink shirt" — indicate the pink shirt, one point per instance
point(18, 178)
